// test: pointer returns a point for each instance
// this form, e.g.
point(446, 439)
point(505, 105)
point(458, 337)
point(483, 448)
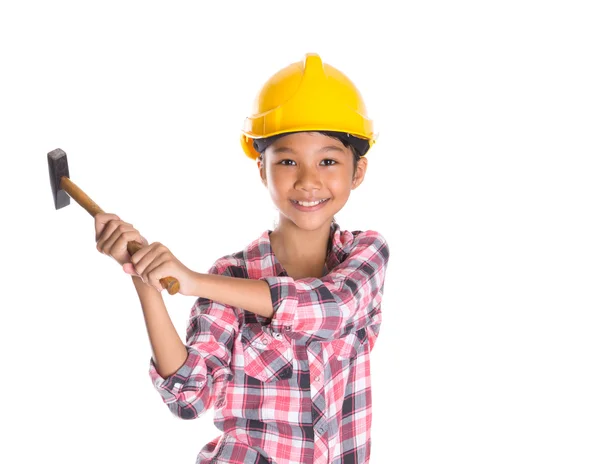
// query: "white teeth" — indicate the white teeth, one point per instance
point(310, 203)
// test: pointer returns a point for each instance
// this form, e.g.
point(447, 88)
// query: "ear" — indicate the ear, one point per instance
point(361, 170)
point(261, 170)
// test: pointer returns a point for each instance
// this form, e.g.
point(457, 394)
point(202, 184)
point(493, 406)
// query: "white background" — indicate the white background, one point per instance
point(484, 181)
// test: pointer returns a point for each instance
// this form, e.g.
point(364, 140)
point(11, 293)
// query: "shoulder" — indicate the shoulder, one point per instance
point(242, 263)
point(233, 265)
point(369, 237)
point(360, 241)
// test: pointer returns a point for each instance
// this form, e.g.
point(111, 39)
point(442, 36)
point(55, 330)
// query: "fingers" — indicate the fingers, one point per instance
point(114, 234)
point(157, 270)
point(129, 269)
point(100, 221)
point(119, 250)
point(144, 251)
point(147, 258)
point(150, 263)
point(105, 234)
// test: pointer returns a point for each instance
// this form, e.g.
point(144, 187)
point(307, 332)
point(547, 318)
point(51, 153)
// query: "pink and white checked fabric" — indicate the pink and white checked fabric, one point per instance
point(294, 388)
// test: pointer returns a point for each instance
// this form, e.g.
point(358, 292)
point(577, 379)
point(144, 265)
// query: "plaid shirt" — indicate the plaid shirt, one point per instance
point(295, 388)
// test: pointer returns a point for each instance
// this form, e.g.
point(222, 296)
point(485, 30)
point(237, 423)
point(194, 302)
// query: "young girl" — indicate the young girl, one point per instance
point(280, 337)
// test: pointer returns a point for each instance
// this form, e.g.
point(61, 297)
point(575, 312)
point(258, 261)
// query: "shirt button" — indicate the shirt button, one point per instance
point(277, 336)
point(317, 378)
point(320, 430)
point(264, 341)
point(288, 327)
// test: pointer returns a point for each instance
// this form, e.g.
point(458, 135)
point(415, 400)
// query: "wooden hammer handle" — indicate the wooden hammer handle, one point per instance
point(169, 283)
point(79, 196)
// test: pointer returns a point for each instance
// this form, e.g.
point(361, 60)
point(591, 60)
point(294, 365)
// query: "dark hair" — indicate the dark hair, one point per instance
point(356, 155)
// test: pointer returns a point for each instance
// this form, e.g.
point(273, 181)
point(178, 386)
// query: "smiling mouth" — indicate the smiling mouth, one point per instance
point(309, 204)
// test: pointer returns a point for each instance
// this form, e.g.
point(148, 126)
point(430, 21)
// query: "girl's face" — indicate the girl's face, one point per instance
point(309, 177)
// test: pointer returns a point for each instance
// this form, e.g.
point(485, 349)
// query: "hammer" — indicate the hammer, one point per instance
point(63, 188)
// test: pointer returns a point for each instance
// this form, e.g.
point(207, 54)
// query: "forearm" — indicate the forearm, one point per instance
point(168, 351)
point(251, 295)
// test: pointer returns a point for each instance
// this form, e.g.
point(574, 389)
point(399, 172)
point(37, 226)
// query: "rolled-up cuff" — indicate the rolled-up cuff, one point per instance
point(285, 302)
point(170, 387)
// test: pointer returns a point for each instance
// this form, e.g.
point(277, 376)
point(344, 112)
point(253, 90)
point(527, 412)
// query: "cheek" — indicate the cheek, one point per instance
point(277, 182)
point(281, 174)
point(339, 182)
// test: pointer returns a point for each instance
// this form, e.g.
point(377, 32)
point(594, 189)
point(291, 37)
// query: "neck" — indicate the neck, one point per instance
point(294, 246)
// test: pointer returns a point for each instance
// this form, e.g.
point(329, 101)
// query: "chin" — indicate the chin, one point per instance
point(308, 221)
point(310, 224)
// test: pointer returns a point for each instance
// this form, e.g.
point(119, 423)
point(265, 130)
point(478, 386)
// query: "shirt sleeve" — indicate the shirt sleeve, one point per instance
point(201, 381)
point(373, 328)
point(344, 300)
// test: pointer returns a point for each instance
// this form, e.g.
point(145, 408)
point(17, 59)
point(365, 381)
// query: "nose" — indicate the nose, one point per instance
point(309, 179)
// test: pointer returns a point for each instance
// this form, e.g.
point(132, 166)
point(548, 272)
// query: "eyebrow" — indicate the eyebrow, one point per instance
point(283, 150)
point(332, 148)
point(290, 150)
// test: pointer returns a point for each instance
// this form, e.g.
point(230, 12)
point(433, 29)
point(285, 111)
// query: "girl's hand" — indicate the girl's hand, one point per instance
point(155, 261)
point(112, 236)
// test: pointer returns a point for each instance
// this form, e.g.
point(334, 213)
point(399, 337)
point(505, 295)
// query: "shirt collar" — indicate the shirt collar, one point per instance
point(340, 243)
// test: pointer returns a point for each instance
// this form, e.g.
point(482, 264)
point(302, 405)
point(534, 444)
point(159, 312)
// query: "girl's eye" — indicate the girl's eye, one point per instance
point(329, 162)
point(325, 162)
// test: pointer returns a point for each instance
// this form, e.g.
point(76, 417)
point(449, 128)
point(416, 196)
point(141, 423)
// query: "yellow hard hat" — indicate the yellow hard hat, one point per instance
point(307, 96)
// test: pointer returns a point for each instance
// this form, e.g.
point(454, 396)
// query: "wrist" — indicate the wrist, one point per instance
point(197, 284)
point(141, 287)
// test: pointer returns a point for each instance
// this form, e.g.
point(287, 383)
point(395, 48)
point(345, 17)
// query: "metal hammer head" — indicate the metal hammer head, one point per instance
point(58, 167)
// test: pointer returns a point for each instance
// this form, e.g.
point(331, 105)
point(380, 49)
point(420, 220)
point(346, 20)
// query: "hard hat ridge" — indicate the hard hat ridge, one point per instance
point(308, 96)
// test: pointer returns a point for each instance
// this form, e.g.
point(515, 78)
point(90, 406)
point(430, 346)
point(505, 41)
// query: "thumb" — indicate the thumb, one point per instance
point(129, 269)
